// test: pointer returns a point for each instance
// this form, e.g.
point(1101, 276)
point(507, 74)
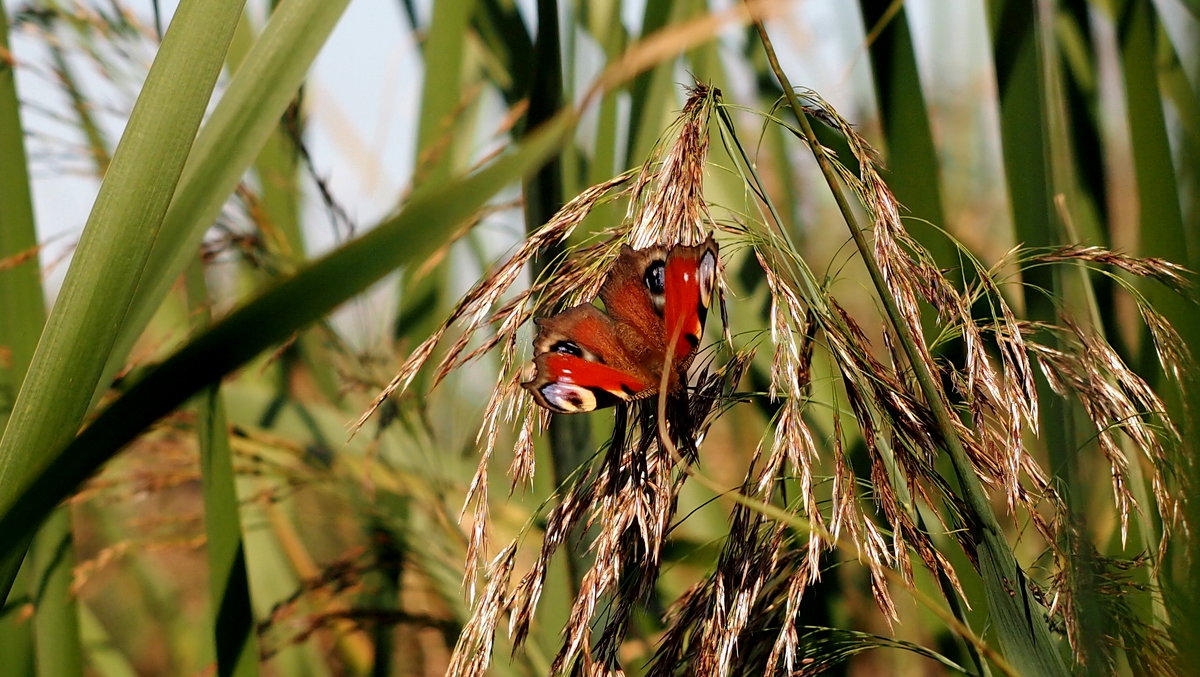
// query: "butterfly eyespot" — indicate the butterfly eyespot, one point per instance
point(656, 282)
point(566, 398)
point(567, 347)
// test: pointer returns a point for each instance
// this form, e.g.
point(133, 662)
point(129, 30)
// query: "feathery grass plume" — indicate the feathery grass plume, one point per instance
point(1147, 648)
point(994, 390)
point(749, 604)
point(1116, 400)
point(1172, 353)
point(631, 495)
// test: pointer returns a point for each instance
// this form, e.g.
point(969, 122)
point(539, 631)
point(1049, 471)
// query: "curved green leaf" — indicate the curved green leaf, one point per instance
point(112, 254)
point(419, 230)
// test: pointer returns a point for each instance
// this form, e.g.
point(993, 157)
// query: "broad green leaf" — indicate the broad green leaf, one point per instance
point(419, 230)
point(231, 139)
point(111, 257)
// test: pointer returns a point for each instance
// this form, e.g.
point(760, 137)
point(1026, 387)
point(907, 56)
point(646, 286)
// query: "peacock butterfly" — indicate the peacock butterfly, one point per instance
point(655, 301)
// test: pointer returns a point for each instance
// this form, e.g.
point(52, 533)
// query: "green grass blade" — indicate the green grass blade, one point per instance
point(278, 209)
point(649, 92)
point(116, 242)
point(1160, 212)
point(56, 621)
point(229, 592)
point(418, 231)
point(913, 171)
point(444, 58)
point(1018, 60)
point(1192, 6)
point(21, 303)
point(56, 618)
point(231, 139)
point(502, 30)
point(1162, 232)
point(441, 135)
point(104, 659)
point(23, 311)
point(604, 23)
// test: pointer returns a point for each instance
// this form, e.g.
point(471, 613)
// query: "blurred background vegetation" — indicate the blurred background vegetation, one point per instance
point(239, 532)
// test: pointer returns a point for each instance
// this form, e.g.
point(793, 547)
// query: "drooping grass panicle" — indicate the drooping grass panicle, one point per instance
point(993, 387)
point(1078, 363)
point(1173, 354)
point(627, 498)
point(474, 312)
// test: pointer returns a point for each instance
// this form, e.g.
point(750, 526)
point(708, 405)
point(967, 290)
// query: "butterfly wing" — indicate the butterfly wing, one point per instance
point(581, 363)
point(689, 276)
point(656, 300)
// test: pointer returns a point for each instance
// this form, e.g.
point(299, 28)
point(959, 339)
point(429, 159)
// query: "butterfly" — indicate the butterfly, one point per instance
point(655, 302)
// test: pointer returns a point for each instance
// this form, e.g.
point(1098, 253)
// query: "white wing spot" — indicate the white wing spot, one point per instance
point(569, 398)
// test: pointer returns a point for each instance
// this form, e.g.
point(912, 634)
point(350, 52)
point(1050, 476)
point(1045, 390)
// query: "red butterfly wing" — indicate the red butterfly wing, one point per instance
point(656, 300)
point(575, 384)
point(582, 363)
point(689, 275)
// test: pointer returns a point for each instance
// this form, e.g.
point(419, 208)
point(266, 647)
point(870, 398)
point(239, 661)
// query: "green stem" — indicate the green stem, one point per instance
point(570, 436)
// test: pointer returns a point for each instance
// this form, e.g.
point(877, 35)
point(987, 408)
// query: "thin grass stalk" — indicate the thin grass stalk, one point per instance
point(1021, 623)
point(441, 136)
point(233, 627)
point(570, 437)
point(502, 28)
point(21, 307)
point(276, 210)
point(97, 145)
point(910, 155)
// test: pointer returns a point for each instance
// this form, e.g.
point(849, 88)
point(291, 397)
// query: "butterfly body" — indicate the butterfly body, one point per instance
point(655, 302)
